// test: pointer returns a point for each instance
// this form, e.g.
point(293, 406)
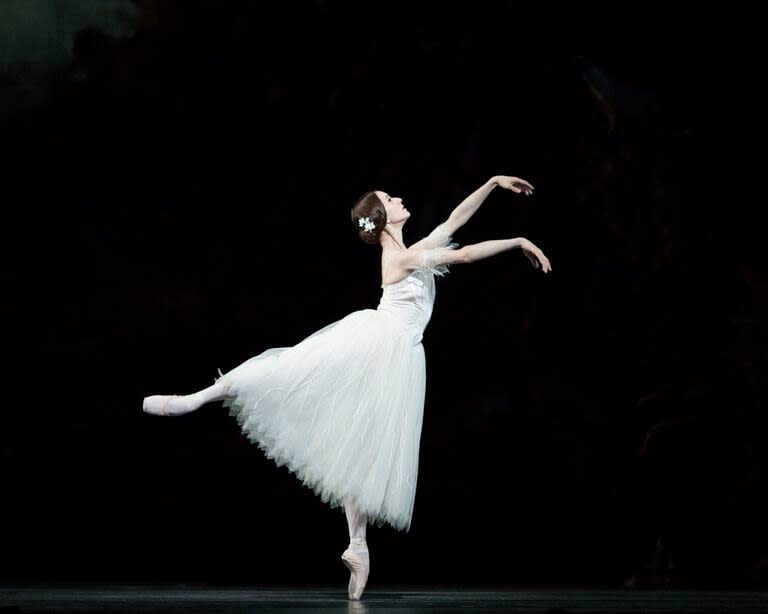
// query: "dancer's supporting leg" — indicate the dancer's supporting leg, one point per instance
point(356, 556)
point(174, 405)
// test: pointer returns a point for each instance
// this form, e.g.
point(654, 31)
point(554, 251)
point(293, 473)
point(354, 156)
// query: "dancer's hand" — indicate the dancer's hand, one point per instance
point(536, 256)
point(515, 184)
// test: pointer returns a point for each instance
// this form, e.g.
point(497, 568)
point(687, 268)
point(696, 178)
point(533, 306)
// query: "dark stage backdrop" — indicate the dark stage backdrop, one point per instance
point(176, 186)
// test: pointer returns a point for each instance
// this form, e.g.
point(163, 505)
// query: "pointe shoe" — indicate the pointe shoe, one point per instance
point(351, 586)
point(169, 405)
point(358, 563)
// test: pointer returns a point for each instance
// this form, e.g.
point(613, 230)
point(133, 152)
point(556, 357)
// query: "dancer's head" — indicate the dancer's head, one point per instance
point(381, 210)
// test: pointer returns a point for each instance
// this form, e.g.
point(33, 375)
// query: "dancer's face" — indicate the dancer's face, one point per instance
point(396, 211)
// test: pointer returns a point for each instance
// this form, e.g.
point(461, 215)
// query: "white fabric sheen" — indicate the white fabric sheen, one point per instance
point(343, 408)
point(436, 244)
point(433, 259)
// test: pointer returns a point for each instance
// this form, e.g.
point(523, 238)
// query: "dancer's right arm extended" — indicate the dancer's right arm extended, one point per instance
point(414, 259)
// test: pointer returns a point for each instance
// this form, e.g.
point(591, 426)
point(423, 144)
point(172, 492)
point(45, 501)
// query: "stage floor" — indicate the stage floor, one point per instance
point(146, 599)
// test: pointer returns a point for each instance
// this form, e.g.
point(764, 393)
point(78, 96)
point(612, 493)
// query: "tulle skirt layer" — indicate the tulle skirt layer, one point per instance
point(342, 410)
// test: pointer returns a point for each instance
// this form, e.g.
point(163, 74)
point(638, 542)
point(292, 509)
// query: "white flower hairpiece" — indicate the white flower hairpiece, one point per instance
point(367, 223)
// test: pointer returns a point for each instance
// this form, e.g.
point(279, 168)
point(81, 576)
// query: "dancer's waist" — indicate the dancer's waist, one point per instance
point(414, 330)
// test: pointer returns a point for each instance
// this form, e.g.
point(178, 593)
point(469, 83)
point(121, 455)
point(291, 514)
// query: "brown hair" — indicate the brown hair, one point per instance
point(369, 205)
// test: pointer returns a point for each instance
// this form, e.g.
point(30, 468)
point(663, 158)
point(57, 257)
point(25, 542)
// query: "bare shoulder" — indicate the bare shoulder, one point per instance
point(398, 265)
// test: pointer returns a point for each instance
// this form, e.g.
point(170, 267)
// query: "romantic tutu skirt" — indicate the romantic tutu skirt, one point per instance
point(342, 410)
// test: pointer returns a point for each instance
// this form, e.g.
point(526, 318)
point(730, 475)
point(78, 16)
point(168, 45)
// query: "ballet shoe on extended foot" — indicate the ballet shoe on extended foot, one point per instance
point(357, 560)
point(169, 405)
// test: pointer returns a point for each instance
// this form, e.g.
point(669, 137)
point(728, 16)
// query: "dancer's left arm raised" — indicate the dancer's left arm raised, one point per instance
point(469, 206)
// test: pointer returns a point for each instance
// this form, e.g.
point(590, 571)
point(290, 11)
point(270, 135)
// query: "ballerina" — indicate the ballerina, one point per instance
point(343, 408)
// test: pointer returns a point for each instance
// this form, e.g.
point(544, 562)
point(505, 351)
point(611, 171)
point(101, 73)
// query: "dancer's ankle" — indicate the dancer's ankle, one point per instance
point(358, 543)
point(194, 401)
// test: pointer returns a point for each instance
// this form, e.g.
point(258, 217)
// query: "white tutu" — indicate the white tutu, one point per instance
point(343, 408)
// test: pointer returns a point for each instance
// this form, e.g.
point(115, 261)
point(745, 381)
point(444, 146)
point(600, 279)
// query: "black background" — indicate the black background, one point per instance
point(178, 200)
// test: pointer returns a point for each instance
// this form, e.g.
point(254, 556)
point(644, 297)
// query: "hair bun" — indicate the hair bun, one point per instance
point(369, 218)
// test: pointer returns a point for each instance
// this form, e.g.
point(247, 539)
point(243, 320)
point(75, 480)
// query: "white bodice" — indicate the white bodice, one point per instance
point(410, 301)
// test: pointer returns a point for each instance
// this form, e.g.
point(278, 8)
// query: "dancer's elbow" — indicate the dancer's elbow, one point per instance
point(463, 255)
